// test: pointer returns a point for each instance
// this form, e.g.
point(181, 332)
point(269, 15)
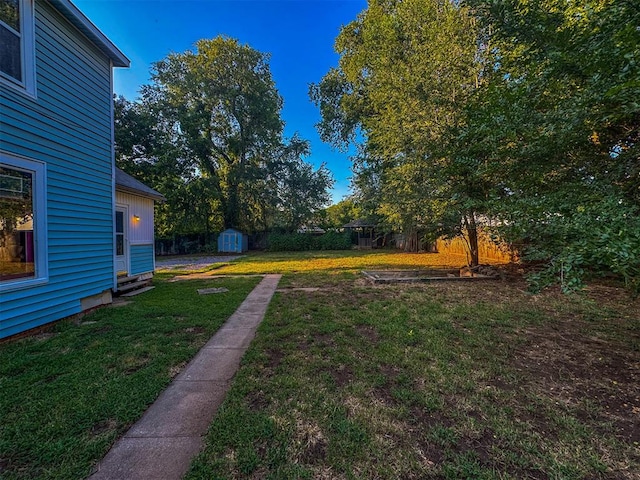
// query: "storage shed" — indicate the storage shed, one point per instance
point(233, 241)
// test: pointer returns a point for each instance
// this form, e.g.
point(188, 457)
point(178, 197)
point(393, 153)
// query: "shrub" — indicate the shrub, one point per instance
point(590, 238)
point(333, 241)
point(297, 242)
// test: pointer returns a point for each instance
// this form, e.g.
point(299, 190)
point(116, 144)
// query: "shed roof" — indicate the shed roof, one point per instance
point(127, 183)
point(82, 23)
point(360, 223)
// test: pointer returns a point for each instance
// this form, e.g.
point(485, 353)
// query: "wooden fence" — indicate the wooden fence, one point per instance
point(488, 251)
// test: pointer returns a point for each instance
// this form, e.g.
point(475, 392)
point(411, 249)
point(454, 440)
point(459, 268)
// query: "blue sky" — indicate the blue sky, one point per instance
point(299, 35)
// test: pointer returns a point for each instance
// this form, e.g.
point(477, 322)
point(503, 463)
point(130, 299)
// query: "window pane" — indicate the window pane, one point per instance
point(10, 13)
point(17, 253)
point(119, 222)
point(10, 58)
point(119, 245)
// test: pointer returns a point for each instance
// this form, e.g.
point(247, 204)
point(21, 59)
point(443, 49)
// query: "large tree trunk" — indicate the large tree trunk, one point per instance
point(411, 242)
point(472, 238)
point(232, 210)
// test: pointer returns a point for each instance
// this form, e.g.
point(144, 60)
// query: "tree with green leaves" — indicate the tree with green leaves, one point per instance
point(223, 104)
point(207, 133)
point(559, 125)
point(302, 190)
point(147, 148)
point(521, 112)
point(339, 214)
point(406, 71)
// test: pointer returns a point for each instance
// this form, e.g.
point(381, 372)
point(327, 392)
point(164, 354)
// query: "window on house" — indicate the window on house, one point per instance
point(16, 43)
point(22, 226)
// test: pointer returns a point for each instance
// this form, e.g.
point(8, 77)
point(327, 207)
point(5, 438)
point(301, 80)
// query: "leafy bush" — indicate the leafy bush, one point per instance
point(586, 239)
point(334, 241)
point(283, 242)
point(297, 242)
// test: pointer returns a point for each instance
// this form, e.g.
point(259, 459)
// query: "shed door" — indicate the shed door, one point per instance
point(122, 258)
point(229, 242)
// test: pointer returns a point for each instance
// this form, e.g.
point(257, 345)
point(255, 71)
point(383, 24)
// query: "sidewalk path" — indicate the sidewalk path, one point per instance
point(162, 443)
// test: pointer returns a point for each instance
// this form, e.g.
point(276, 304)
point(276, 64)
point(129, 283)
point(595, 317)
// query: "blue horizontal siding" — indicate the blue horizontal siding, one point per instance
point(69, 42)
point(83, 286)
point(67, 198)
point(68, 126)
point(141, 259)
point(33, 145)
point(74, 137)
point(64, 51)
point(59, 242)
point(37, 319)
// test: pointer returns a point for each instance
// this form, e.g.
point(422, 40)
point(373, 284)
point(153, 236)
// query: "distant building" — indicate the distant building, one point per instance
point(365, 231)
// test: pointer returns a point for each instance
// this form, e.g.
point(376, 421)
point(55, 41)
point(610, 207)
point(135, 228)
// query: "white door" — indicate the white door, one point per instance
point(122, 258)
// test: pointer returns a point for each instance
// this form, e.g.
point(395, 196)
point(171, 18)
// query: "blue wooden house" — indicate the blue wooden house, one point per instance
point(233, 241)
point(57, 174)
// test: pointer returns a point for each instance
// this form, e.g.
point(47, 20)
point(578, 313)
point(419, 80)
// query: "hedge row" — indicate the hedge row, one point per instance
point(296, 242)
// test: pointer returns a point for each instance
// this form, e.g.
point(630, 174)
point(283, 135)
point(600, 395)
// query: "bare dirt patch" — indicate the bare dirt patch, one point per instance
point(342, 375)
point(274, 358)
point(257, 400)
point(368, 332)
point(315, 452)
point(176, 369)
point(103, 426)
point(196, 330)
point(592, 376)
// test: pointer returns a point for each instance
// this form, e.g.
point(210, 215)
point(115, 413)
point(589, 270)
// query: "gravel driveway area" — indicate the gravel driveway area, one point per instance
point(191, 263)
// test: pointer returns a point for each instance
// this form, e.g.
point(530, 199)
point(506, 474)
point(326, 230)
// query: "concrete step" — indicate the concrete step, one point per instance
point(125, 279)
point(137, 292)
point(132, 286)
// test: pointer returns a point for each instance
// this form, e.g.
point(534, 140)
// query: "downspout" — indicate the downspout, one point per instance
point(113, 179)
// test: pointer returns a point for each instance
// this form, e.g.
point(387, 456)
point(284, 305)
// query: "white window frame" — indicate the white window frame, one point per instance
point(38, 170)
point(27, 51)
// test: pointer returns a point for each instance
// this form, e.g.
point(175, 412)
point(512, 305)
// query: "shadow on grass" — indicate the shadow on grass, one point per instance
point(67, 394)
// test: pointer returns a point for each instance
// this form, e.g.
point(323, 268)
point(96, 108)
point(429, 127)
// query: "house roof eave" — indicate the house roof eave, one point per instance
point(128, 184)
point(158, 198)
point(82, 23)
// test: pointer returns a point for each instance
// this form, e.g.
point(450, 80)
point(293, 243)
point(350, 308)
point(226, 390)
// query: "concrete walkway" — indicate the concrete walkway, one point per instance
point(162, 443)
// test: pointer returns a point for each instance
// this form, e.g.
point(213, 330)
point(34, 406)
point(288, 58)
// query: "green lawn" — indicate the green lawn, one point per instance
point(335, 261)
point(67, 394)
point(345, 380)
point(449, 380)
